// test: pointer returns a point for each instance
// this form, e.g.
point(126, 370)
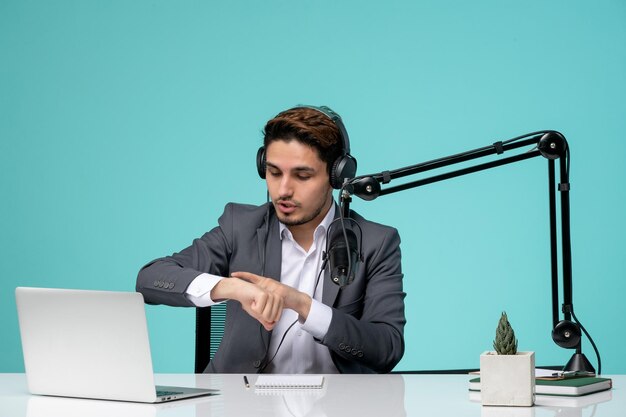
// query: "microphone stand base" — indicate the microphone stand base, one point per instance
point(579, 362)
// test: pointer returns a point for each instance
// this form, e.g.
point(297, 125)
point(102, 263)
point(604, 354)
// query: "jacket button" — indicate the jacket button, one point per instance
point(257, 363)
point(360, 354)
point(342, 346)
point(156, 283)
point(171, 285)
point(354, 352)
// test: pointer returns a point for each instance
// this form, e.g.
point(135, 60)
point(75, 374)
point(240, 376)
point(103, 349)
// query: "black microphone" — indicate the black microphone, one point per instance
point(343, 259)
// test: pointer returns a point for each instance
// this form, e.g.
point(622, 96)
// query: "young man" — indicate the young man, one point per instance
point(284, 314)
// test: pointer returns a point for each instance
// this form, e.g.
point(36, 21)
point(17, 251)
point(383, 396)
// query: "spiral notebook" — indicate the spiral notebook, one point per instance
point(273, 382)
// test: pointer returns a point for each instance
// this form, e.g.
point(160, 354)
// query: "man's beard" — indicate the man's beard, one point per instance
point(297, 222)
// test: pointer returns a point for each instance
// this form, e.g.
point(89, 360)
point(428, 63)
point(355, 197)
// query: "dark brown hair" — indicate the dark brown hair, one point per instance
point(310, 127)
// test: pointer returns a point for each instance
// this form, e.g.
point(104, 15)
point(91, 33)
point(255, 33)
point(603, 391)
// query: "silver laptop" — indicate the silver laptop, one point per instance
point(90, 344)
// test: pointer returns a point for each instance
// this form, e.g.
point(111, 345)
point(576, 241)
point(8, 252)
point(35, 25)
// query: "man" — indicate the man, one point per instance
point(284, 314)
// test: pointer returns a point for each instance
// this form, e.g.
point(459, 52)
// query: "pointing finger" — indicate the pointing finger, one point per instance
point(255, 279)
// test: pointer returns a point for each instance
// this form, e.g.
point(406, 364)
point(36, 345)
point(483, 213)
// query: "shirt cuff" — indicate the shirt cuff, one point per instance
point(318, 321)
point(199, 291)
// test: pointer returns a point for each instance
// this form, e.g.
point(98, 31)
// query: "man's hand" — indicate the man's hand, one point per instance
point(260, 303)
point(293, 299)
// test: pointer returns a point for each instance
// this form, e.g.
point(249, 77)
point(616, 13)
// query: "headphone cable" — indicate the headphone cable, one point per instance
point(282, 339)
point(591, 341)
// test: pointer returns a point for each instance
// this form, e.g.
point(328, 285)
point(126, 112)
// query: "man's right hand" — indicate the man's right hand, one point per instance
point(263, 305)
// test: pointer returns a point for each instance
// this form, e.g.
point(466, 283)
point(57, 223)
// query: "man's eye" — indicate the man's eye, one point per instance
point(304, 177)
point(274, 173)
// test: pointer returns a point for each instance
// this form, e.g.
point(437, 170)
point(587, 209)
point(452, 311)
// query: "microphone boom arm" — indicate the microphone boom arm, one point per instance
point(549, 144)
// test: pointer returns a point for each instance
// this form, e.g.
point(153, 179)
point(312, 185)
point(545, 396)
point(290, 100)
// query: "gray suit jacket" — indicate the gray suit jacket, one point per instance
point(366, 333)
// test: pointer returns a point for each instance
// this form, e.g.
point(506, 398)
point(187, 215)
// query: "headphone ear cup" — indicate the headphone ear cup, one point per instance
point(260, 162)
point(566, 334)
point(344, 167)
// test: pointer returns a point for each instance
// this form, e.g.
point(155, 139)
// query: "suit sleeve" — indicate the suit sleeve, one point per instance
point(165, 280)
point(366, 333)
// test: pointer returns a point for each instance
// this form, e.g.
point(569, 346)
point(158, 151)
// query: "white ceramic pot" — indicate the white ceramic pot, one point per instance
point(507, 380)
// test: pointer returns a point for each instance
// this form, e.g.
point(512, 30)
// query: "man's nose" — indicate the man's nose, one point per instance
point(286, 186)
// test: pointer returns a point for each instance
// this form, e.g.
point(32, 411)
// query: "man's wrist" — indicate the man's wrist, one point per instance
point(224, 290)
point(304, 306)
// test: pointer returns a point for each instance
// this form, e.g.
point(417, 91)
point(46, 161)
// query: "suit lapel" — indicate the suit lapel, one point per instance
point(262, 248)
point(331, 290)
point(270, 249)
point(274, 251)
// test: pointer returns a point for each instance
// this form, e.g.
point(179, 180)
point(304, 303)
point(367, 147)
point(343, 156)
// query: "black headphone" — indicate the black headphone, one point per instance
point(343, 167)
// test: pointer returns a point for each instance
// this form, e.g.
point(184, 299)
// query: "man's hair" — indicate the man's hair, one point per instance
point(310, 127)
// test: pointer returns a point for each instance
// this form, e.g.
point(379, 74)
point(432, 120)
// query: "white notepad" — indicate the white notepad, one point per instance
point(289, 382)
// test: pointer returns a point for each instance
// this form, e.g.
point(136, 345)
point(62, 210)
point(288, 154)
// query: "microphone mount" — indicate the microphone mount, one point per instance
point(549, 144)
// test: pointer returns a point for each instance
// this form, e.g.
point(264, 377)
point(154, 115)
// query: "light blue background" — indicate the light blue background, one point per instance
point(126, 126)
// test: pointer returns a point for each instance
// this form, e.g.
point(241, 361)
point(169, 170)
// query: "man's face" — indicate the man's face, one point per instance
point(298, 183)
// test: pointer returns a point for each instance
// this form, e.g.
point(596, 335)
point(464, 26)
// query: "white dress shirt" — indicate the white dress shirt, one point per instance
point(299, 352)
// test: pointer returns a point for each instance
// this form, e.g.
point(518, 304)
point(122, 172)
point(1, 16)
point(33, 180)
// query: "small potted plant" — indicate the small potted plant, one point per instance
point(507, 377)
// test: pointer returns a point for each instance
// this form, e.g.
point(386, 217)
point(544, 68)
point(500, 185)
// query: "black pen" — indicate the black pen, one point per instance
point(245, 381)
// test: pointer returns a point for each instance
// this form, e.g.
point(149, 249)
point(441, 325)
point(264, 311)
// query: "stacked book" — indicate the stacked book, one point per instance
point(561, 389)
point(567, 386)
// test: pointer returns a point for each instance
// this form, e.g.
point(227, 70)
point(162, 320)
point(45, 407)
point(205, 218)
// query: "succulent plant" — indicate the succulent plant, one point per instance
point(505, 343)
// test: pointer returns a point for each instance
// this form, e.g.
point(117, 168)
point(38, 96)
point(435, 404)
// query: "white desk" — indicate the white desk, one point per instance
point(343, 395)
